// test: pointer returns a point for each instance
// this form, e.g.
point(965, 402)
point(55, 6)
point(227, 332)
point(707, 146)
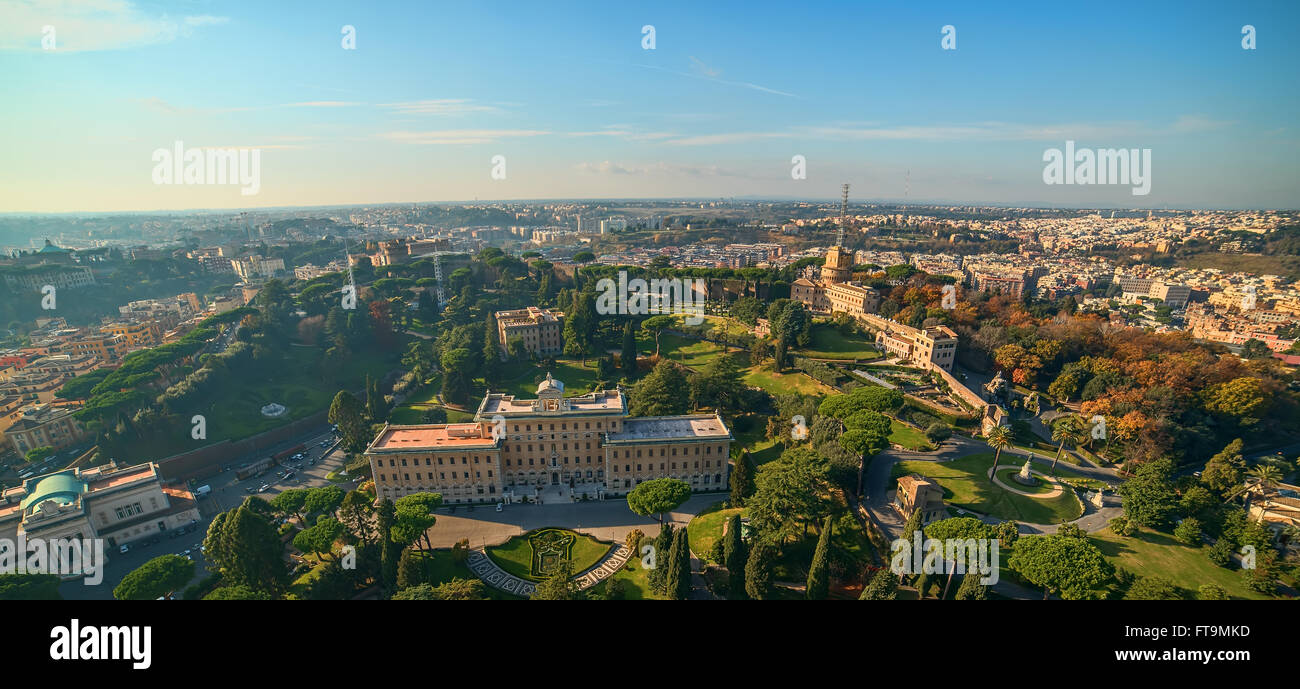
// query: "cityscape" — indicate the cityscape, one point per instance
point(719, 327)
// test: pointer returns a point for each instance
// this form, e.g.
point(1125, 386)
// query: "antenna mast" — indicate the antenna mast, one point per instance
point(844, 212)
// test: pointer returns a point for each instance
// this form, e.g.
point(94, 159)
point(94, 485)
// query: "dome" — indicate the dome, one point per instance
point(550, 385)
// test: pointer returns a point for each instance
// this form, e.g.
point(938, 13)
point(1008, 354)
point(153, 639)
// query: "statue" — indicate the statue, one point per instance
point(1096, 499)
point(1024, 470)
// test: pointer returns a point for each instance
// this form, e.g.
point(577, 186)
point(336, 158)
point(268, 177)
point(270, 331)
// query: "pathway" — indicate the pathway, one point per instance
point(1056, 485)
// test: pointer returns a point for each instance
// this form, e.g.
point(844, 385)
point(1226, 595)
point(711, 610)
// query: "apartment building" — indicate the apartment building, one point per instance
point(851, 298)
point(34, 278)
point(541, 330)
point(255, 267)
point(44, 425)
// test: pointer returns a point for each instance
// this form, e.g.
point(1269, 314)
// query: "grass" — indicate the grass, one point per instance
point(767, 378)
point(1151, 553)
point(636, 583)
point(577, 379)
point(829, 343)
point(696, 354)
point(706, 528)
point(966, 485)
point(516, 555)
point(911, 438)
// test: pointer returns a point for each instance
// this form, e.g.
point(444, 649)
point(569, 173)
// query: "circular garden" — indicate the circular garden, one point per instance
point(533, 556)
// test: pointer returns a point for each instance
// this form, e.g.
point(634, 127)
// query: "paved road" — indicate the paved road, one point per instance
point(609, 520)
point(227, 493)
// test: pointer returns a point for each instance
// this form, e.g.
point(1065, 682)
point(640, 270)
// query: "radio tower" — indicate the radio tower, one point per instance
point(437, 276)
point(347, 259)
point(844, 212)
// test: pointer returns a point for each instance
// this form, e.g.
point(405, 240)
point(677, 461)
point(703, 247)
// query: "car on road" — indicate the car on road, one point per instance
point(265, 487)
point(125, 548)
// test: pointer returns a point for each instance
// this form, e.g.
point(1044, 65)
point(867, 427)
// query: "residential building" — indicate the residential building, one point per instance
point(540, 330)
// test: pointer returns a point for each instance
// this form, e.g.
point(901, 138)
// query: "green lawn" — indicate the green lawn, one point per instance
point(636, 583)
point(785, 383)
point(965, 484)
point(577, 379)
point(516, 555)
point(829, 343)
point(706, 528)
point(693, 353)
point(908, 437)
point(1151, 553)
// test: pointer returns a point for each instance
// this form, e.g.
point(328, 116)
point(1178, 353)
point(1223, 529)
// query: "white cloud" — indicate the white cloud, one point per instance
point(440, 106)
point(457, 136)
point(90, 25)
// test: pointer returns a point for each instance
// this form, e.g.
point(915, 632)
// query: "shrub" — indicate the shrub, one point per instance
point(1221, 552)
point(1211, 592)
point(1188, 531)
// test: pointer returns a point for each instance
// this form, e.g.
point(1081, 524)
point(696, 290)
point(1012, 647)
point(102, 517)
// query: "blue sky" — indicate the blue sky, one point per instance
point(579, 109)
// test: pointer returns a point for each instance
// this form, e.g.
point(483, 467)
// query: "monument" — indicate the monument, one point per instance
point(1096, 499)
point(1024, 476)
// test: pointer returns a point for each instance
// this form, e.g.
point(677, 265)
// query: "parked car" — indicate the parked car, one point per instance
point(125, 548)
point(500, 507)
point(265, 487)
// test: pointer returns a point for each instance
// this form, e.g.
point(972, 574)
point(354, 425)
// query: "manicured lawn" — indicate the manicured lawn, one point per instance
point(577, 379)
point(693, 353)
point(706, 528)
point(829, 343)
point(1007, 476)
point(966, 485)
point(1151, 553)
point(516, 555)
point(636, 582)
point(907, 436)
point(785, 383)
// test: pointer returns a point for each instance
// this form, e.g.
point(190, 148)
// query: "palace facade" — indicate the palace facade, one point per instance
point(553, 446)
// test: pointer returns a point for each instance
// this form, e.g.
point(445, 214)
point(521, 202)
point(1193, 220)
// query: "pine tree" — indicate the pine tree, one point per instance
point(491, 352)
point(971, 588)
point(742, 481)
point(922, 583)
point(733, 557)
point(410, 569)
point(882, 586)
point(629, 351)
point(818, 573)
point(758, 571)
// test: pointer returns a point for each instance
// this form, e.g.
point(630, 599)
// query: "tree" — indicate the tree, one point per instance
point(291, 503)
point(627, 359)
point(1211, 592)
point(912, 525)
point(413, 517)
point(320, 537)
point(657, 496)
point(1223, 472)
point(29, 587)
point(758, 570)
point(1153, 588)
point(239, 592)
point(323, 500)
point(456, 376)
point(1067, 430)
point(971, 588)
point(1071, 567)
point(456, 589)
point(733, 557)
point(818, 585)
point(1188, 531)
point(348, 414)
point(247, 549)
point(660, 552)
point(883, 585)
point(678, 581)
point(998, 438)
point(660, 392)
point(1243, 399)
point(557, 586)
point(865, 444)
point(741, 479)
point(389, 551)
point(1149, 497)
point(792, 493)
point(655, 326)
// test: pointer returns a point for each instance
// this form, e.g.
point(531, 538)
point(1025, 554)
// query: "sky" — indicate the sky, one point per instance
point(577, 107)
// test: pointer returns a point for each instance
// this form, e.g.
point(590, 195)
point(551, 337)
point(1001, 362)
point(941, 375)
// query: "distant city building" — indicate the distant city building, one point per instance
point(250, 268)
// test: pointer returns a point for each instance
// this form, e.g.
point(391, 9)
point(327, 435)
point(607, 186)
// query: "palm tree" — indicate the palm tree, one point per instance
point(1071, 430)
point(998, 438)
point(1259, 479)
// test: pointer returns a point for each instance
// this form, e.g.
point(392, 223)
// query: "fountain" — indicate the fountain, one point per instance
point(274, 410)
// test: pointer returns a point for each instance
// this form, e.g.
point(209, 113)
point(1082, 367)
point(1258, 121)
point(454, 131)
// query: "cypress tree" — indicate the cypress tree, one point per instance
point(818, 575)
point(684, 562)
point(410, 571)
point(662, 553)
point(922, 583)
point(971, 588)
point(629, 351)
point(913, 524)
point(733, 557)
point(388, 553)
point(742, 480)
point(758, 571)
point(882, 586)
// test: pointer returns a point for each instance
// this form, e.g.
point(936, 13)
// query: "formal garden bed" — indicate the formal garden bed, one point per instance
point(532, 556)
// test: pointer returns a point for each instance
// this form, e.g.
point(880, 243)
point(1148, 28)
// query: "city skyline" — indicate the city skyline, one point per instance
point(580, 110)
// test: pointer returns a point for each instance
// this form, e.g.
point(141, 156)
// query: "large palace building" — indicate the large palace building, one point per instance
point(552, 447)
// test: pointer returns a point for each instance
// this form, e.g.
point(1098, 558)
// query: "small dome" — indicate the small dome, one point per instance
point(550, 385)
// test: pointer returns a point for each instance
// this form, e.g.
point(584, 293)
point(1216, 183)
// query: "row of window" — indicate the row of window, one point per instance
point(627, 454)
point(442, 475)
point(627, 468)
